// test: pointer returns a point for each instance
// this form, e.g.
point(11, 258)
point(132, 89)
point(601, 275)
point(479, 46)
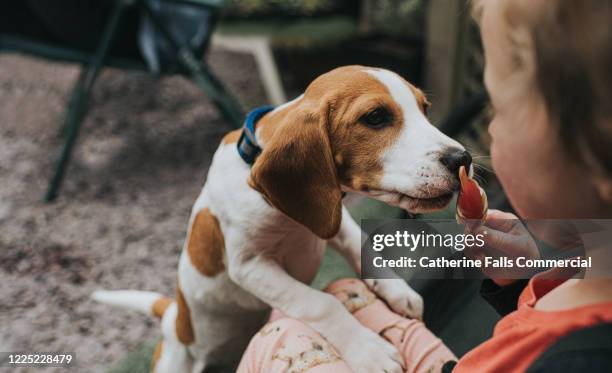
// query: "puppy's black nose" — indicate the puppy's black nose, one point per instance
point(454, 158)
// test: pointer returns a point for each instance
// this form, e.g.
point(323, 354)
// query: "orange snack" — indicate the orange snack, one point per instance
point(472, 202)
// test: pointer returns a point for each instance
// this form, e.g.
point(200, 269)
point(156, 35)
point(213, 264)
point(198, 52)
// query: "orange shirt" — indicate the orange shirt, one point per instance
point(523, 335)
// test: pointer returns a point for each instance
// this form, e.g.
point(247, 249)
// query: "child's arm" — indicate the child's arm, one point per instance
point(503, 298)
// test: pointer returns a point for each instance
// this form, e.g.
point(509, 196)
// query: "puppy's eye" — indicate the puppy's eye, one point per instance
point(377, 118)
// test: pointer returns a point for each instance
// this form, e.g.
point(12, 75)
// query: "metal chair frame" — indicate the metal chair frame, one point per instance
point(191, 65)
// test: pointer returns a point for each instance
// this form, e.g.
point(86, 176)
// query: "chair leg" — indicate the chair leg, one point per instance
point(200, 73)
point(76, 99)
point(212, 86)
point(72, 125)
point(77, 109)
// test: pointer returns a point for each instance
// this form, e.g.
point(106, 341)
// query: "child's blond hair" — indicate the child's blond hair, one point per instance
point(566, 48)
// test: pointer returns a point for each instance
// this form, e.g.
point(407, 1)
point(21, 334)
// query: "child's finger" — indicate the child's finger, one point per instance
point(476, 253)
point(500, 241)
point(500, 220)
point(472, 252)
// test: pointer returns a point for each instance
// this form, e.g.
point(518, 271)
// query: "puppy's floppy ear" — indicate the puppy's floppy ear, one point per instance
point(296, 173)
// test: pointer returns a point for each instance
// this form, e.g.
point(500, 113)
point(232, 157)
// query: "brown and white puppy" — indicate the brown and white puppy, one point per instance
point(257, 235)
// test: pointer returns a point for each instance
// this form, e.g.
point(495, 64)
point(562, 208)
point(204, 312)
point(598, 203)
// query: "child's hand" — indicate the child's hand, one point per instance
point(505, 236)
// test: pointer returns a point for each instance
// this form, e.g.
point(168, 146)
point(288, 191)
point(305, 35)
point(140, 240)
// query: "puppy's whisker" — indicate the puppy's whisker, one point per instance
point(481, 167)
point(475, 152)
point(481, 180)
point(471, 149)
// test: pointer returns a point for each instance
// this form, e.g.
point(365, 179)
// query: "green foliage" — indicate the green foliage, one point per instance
point(397, 17)
point(400, 18)
point(305, 7)
point(300, 33)
point(138, 361)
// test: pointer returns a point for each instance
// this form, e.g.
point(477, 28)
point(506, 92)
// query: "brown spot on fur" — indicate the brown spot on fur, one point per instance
point(184, 328)
point(160, 306)
point(232, 137)
point(156, 355)
point(206, 246)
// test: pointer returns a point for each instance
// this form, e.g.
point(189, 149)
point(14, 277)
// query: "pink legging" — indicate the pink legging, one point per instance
point(289, 345)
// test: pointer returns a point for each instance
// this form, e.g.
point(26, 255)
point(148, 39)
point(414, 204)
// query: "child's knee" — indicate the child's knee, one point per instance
point(343, 284)
point(287, 344)
point(283, 325)
point(353, 293)
point(281, 331)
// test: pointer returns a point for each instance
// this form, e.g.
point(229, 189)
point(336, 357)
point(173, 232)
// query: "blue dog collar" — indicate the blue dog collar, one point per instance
point(248, 148)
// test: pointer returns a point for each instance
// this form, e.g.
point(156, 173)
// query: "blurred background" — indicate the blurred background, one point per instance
point(110, 111)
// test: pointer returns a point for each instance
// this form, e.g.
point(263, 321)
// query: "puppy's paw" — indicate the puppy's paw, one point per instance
point(399, 296)
point(367, 352)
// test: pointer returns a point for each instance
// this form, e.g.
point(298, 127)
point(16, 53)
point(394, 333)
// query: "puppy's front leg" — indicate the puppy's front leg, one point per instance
point(361, 348)
point(347, 242)
point(394, 290)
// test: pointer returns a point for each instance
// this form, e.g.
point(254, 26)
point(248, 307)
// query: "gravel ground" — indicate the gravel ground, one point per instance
point(121, 218)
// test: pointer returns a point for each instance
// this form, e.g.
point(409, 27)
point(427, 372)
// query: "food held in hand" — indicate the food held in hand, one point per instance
point(472, 202)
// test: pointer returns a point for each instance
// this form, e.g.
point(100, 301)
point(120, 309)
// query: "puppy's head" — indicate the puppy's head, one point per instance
point(356, 129)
